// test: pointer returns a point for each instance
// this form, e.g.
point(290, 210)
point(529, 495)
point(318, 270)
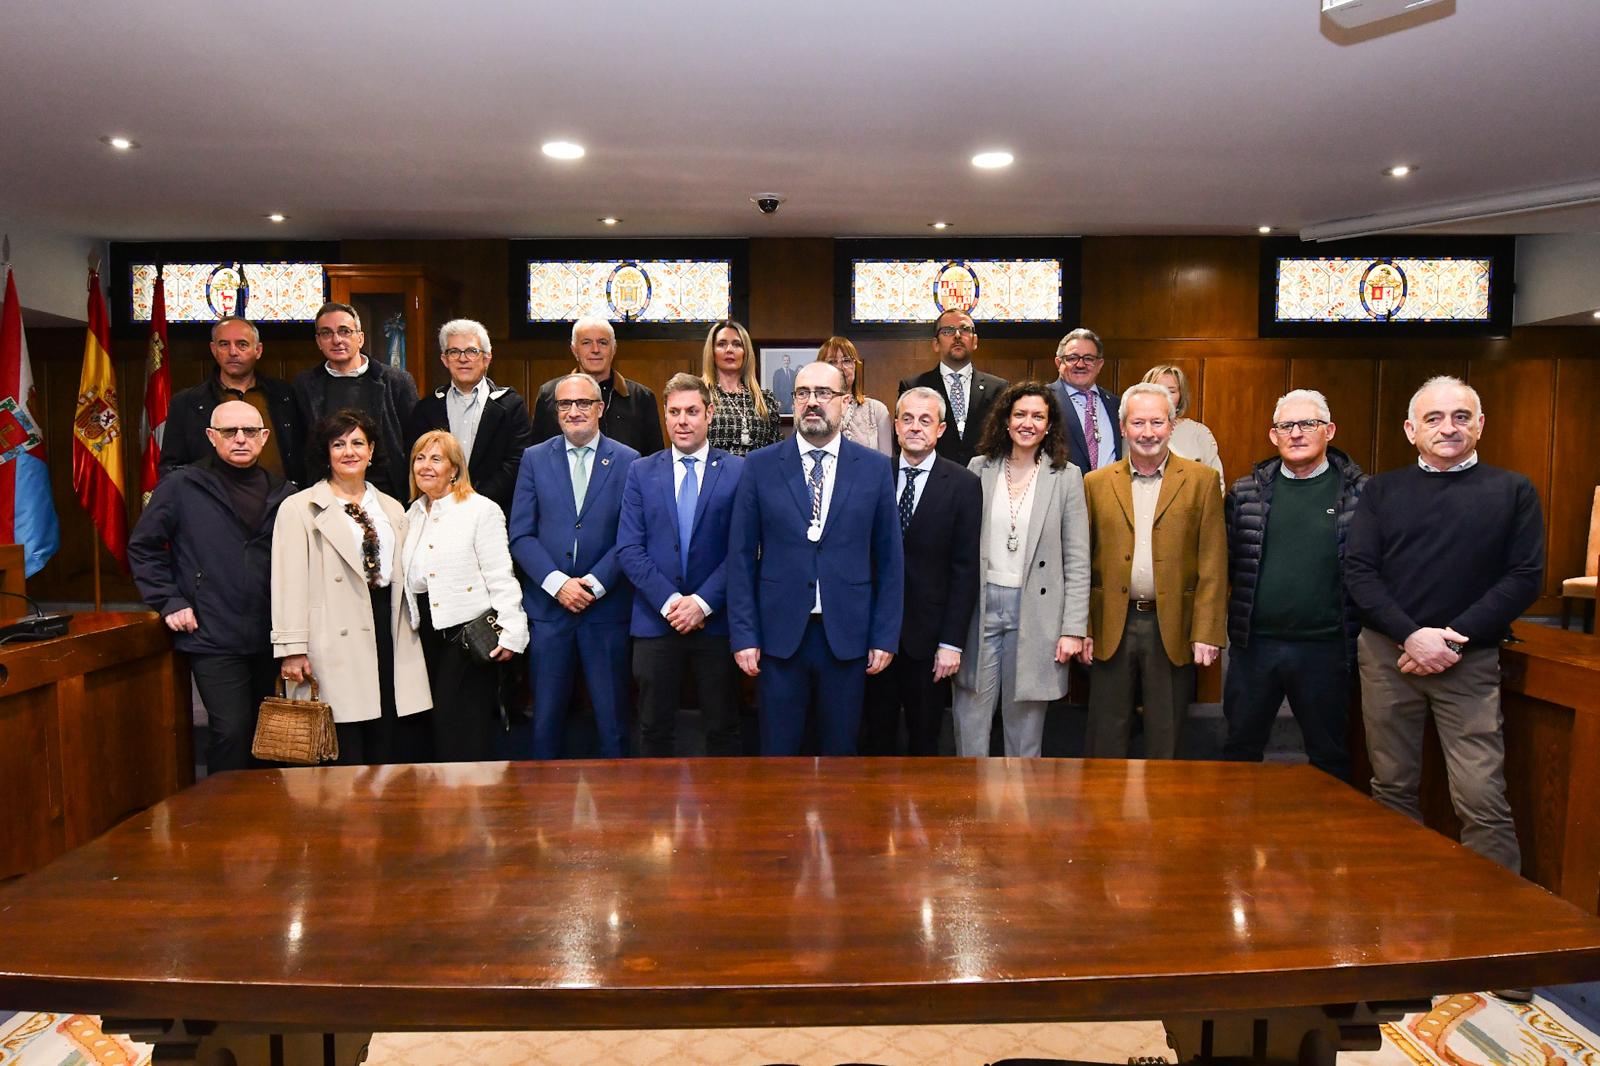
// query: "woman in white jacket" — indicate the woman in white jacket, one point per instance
point(457, 566)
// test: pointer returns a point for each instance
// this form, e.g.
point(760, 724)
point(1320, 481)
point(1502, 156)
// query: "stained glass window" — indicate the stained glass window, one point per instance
point(1400, 289)
point(205, 292)
point(630, 290)
point(991, 290)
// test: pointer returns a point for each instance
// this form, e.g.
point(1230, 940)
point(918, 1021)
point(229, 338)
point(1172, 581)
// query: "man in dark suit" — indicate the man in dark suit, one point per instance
point(941, 515)
point(631, 416)
point(1088, 412)
point(672, 542)
point(490, 422)
point(967, 392)
point(815, 572)
point(783, 386)
point(564, 537)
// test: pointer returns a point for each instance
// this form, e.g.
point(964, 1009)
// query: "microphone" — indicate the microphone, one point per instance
point(38, 626)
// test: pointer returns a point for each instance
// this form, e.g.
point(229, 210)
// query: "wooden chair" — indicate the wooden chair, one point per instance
point(1583, 588)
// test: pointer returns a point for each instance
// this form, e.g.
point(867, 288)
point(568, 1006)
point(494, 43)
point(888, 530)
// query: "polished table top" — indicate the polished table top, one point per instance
point(653, 893)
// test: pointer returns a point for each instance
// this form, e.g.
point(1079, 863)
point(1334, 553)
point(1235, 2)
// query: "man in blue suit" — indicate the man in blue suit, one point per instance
point(672, 542)
point(1088, 412)
point(815, 572)
point(564, 537)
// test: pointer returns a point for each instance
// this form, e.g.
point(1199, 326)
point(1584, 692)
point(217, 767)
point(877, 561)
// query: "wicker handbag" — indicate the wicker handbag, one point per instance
point(298, 732)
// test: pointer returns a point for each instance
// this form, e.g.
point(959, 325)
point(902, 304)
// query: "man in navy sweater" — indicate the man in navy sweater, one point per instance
point(1440, 559)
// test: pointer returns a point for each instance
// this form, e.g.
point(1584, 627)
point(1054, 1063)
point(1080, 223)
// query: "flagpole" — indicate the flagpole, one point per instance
point(94, 547)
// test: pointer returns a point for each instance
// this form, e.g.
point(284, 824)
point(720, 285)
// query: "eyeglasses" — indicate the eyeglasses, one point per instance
point(1080, 360)
point(822, 395)
point(1305, 425)
point(460, 353)
point(230, 432)
point(951, 331)
point(579, 405)
point(344, 333)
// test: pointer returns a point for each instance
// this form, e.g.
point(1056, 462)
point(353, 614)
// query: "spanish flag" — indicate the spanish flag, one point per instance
point(97, 432)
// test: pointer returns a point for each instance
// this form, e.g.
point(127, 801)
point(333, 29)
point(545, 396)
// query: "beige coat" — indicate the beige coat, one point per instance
point(321, 607)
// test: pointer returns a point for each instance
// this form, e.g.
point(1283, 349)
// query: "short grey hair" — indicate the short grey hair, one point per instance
point(1442, 381)
point(922, 392)
point(593, 322)
point(1145, 388)
point(1082, 334)
point(563, 379)
point(1310, 396)
point(255, 334)
point(464, 325)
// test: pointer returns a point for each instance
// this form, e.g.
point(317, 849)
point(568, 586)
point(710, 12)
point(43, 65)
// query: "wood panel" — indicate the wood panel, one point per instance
point(1519, 415)
point(1170, 287)
point(1238, 404)
point(791, 287)
point(1351, 389)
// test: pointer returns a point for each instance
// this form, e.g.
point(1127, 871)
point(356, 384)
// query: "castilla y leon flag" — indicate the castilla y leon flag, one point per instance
point(157, 393)
point(97, 433)
point(27, 513)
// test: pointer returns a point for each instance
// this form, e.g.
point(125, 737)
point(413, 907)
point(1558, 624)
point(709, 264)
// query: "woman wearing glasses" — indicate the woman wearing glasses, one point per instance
point(458, 566)
point(1033, 605)
point(1190, 439)
point(866, 421)
point(335, 616)
point(744, 416)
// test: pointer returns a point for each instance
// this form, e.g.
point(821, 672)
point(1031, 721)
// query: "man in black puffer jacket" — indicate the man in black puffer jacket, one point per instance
point(1291, 629)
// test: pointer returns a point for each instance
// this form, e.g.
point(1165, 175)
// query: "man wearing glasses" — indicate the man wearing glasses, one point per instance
point(201, 556)
point(815, 572)
point(563, 528)
point(631, 417)
point(1291, 627)
point(489, 421)
point(967, 392)
point(1089, 413)
point(347, 378)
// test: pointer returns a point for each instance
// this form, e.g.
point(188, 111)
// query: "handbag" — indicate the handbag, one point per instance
point(298, 732)
point(480, 637)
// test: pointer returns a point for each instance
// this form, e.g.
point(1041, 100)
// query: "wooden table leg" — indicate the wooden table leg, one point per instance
point(1289, 1036)
point(186, 1042)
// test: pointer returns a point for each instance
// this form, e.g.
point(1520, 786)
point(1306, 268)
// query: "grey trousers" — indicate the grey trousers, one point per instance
point(996, 674)
point(1166, 692)
point(1465, 704)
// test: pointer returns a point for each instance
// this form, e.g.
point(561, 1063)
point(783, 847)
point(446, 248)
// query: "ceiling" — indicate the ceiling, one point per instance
point(403, 119)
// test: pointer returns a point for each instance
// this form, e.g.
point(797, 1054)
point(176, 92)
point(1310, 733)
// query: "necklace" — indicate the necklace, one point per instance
point(736, 401)
point(1014, 501)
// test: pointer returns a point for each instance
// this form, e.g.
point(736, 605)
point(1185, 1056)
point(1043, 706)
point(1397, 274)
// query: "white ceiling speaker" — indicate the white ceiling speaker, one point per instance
point(1353, 14)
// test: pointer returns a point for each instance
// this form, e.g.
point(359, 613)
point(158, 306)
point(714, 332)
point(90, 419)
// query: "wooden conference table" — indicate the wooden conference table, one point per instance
point(1254, 909)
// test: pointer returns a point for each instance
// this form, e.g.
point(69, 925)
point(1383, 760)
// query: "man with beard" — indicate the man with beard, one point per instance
point(967, 392)
point(815, 572)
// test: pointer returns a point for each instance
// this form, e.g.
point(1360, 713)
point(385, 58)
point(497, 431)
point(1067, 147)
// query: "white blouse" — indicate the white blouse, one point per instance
point(1004, 565)
point(380, 523)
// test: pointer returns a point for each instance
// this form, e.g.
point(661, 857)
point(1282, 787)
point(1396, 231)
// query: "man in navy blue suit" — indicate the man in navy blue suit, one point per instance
point(815, 572)
point(672, 542)
point(564, 537)
point(1088, 412)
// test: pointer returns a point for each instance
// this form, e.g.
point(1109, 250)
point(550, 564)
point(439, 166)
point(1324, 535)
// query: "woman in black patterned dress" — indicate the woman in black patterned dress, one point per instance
point(744, 416)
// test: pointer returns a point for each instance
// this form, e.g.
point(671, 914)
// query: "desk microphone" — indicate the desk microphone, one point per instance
point(38, 626)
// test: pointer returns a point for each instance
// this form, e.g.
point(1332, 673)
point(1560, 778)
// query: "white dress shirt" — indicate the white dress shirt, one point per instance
point(926, 466)
point(679, 472)
point(463, 411)
point(385, 531)
point(1466, 464)
point(965, 374)
point(830, 470)
point(553, 582)
point(357, 372)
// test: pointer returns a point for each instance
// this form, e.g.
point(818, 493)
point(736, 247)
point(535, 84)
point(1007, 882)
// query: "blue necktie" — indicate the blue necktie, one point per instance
point(688, 497)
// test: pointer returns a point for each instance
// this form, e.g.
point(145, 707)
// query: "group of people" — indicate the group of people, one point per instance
point(965, 547)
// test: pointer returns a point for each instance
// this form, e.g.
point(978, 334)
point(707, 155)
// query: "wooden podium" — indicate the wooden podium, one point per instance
point(94, 726)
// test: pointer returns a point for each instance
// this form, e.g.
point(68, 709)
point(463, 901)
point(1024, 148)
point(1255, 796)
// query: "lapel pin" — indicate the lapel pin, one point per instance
point(605, 462)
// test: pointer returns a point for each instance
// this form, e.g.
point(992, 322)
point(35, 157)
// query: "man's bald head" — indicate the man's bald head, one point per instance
point(237, 433)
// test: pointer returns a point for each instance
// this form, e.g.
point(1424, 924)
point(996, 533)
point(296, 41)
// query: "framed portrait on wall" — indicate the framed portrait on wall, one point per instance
point(778, 364)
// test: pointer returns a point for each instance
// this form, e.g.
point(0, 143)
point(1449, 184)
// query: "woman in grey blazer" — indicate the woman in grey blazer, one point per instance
point(1033, 606)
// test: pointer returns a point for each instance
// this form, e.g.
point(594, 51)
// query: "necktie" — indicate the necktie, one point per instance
point(580, 476)
point(1091, 428)
point(958, 401)
point(908, 497)
point(688, 496)
point(817, 456)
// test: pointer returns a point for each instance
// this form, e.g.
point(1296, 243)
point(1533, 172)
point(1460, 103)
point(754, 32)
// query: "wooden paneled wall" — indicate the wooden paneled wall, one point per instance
point(1190, 301)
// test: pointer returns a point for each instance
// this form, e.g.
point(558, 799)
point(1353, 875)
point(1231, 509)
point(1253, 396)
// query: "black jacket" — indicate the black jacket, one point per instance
point(1246, 510)
point(190, 549)
point(504, 433)
point(941, 547)
point(389, 394)
point(986, 388)
point(190, 413)
point(631, 417)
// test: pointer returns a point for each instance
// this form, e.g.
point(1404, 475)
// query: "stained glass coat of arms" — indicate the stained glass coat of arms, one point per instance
point(629, 290)
point(990, 290)
point(205, 292)
point(1383, 290)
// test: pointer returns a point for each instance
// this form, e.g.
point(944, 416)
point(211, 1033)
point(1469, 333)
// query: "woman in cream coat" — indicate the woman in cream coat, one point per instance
point(337, 613)
point(1033, 605)
point(457, 566)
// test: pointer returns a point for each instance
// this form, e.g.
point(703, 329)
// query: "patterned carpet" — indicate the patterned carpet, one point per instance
point(1461, 1030)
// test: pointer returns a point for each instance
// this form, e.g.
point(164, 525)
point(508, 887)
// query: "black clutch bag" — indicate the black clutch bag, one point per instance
point(481, 636)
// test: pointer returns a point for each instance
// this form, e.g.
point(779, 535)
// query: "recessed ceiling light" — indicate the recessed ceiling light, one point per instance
point(562, 150)
point(120, 143)
point(1399, 170)
point(277, 216)
point(992, 160)
point(1597, 314)
point(1263, 229)
point(608, 221)
point(940, 225)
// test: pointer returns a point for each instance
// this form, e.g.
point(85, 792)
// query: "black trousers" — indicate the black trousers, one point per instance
point(387, 738)
point(1315, 678)
point(908, 684)
point(466, 694)
point(232, 688)
point(658, 666)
